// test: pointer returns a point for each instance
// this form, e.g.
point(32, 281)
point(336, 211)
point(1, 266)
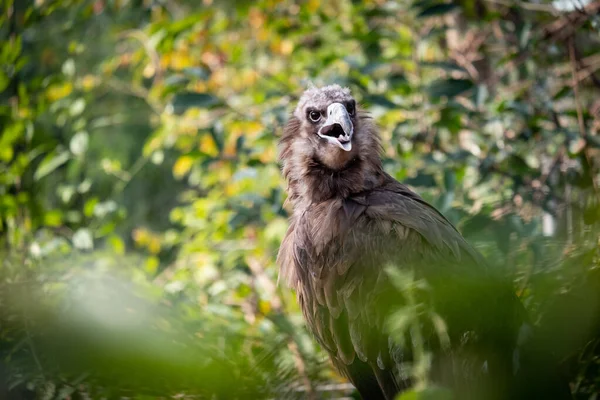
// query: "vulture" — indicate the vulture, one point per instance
point(351, 224)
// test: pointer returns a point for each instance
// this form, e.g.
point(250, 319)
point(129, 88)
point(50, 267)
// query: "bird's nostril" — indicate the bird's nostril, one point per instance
point(333, 130)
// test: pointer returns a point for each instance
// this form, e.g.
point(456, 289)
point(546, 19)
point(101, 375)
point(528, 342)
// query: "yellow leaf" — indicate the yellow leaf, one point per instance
point(264, 307)
point(250, 76)
point(182, 166)
point(154, 245)
point(286, 47)
point(141, 236)
point(313, 6)
point(88, 82)
point(58, 91)
point(208, 145)
point(253, 128)
point(283, 47)
point(257, 18)
point(25, 112)
point(267, 156)
point(181, 60)
point(230, 149)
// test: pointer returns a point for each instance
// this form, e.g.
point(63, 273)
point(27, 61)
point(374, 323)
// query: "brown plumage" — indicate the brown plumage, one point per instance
point(350, 220)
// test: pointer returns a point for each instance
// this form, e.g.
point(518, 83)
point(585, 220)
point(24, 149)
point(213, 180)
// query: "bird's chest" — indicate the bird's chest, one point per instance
point(333, 238)
point(340, 253)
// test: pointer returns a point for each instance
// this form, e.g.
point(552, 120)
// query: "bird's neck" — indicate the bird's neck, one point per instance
point(316, 182)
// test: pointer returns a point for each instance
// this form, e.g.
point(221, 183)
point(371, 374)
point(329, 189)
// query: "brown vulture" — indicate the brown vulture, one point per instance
point(350, 221)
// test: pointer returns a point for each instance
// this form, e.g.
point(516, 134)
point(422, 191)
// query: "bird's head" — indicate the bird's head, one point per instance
point(328, 135)
point(326, 119)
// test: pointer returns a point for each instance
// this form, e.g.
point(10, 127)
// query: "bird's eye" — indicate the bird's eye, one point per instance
point(314, 116)
point(350, 108)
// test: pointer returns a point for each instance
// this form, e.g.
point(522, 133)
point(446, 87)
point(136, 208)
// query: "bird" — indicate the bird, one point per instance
point(351, 223)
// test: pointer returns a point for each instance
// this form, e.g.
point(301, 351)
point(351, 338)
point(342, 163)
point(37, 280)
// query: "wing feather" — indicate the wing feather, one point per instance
point(339, 249)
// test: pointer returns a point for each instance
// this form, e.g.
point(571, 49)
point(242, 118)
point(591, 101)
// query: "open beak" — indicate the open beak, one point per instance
point(338, 128)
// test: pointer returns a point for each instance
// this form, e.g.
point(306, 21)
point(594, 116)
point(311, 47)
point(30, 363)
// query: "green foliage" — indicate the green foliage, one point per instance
point(139, 144)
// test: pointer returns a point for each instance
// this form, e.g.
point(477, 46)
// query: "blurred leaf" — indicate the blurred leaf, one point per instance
point(379, 100)
point(182, 166)
point(429, 393)
point(6, 153)
point(53, 218)
point(444, 65)
point(83, 240)
point(79, 143)
point(183, 101)
point(197, 72)
point(50, 163)
point(449, 87)
point(176, 80)
point(436, 10)
point(117, 244)
point(77, 107)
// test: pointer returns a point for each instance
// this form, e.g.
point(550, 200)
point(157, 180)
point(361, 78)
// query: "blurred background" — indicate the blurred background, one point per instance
point(141, 201)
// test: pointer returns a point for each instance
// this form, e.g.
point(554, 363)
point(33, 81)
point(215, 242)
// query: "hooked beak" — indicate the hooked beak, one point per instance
point(338, 128)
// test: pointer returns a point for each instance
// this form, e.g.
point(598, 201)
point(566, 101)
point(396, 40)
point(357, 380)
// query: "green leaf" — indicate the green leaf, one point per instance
point(563, 92)
point(53, 218)
point(436, 9)
point(449, 87)
point(197, 72)
point(400, 320)
point(50, 163)
point(445, 65)
point(77, 107)
point(6, 153)
point(183, 101)
point(176, 80)
point(89, 206)
point(379, 100)
point(449, 180)
point(593, 141)
point(4, 81)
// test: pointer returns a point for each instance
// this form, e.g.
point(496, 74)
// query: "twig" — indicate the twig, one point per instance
point(567, 25)
point(126, 178)
point(133, 91)
point(152, 53)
